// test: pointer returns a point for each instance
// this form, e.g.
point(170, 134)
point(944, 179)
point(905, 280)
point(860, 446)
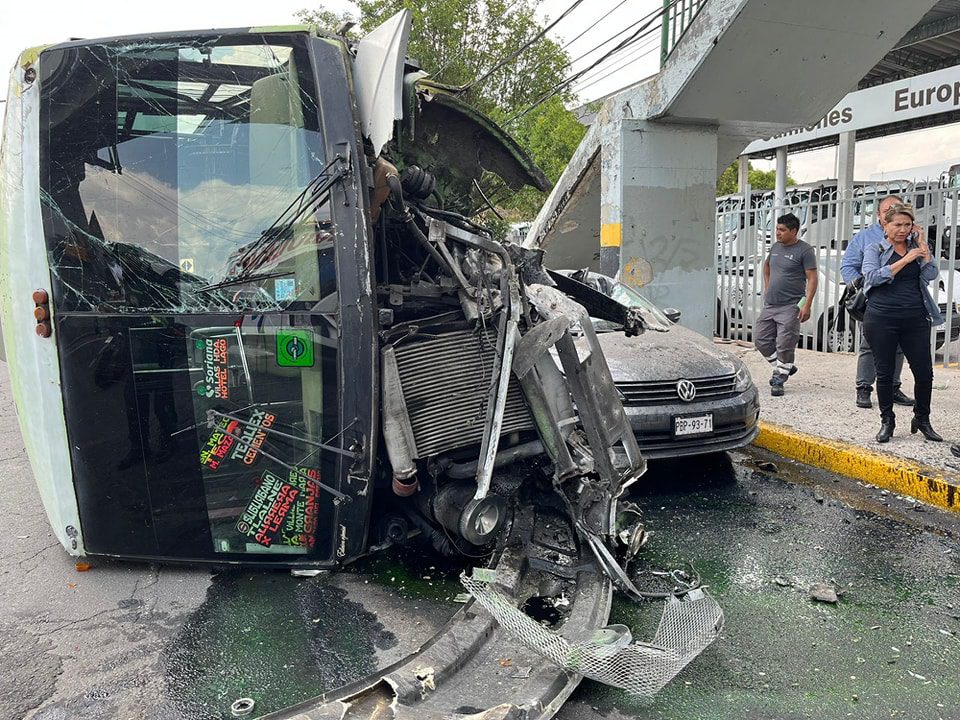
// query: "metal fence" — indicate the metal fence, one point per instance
point(677, 16)
point(745, 232)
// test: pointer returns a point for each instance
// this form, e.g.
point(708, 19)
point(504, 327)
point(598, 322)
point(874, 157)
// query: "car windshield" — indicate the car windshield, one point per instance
point(626, 295)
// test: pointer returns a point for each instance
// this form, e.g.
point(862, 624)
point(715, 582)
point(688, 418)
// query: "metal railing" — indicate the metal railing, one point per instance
point(745, 232)
point(677, 16)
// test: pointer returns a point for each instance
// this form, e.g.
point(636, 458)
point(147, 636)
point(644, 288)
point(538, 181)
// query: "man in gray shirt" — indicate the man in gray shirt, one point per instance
point(789, 282)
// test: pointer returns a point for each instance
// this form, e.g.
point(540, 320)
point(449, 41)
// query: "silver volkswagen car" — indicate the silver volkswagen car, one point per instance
point(683, 394)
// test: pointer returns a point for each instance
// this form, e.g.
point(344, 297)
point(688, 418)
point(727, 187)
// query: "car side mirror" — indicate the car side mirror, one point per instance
point(673, 315)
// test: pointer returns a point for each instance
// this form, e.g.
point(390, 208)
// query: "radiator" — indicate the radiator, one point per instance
point(446, 381)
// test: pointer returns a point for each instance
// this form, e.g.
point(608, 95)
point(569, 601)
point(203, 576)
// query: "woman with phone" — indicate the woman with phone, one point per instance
point(900, 311)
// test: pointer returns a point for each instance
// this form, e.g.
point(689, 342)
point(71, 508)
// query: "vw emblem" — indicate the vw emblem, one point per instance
point(686, 390)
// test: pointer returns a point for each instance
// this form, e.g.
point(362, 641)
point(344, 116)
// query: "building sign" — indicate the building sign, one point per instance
point(929, 94)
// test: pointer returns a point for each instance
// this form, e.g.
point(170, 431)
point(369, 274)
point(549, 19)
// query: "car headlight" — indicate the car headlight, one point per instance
point(742, 379)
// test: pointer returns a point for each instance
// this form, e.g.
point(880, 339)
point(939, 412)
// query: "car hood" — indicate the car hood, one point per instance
point(661, 356)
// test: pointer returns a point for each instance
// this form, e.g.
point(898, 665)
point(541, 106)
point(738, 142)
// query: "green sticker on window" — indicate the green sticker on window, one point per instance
point(295, 348)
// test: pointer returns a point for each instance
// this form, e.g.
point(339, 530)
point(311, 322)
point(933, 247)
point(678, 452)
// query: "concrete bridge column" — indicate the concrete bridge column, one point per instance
point(611, 155)
point(667, 183)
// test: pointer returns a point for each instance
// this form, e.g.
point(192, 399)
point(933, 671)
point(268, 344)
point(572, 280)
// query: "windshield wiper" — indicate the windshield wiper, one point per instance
point(314, 196)
point(252, 277)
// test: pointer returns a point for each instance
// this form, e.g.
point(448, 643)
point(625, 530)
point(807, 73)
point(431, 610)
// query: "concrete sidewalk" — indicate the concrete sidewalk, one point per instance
point(818, 422)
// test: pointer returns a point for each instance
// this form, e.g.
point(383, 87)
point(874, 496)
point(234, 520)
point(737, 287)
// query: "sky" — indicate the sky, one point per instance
point(25, 25)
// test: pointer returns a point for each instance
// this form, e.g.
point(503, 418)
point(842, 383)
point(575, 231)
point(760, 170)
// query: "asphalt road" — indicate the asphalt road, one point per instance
point(128, 640)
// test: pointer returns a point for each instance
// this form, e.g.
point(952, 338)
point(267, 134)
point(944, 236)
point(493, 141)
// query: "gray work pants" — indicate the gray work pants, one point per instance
point(867, 368)
point(776, 331)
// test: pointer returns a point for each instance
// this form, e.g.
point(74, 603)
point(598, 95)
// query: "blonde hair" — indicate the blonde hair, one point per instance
point(899, 209)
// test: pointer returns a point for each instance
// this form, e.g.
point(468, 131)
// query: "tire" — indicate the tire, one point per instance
point(722, 324)
point(841, 334)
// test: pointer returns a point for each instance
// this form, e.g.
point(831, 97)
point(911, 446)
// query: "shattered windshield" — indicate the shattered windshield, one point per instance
point(178, 176)
point(184, 191)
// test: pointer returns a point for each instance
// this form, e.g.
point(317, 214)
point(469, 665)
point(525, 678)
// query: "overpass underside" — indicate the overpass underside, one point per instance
point(638, 197)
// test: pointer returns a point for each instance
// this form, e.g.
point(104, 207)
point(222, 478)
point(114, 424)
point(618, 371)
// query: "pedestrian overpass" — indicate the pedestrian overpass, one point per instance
point(638, 197)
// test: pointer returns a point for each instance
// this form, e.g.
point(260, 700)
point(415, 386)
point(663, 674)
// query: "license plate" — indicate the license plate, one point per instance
point(693, 425)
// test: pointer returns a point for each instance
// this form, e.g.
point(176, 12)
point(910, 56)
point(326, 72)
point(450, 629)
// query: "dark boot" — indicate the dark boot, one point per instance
point(900, 398)
point(863, 397)
point(887, 424)
point(922, 423)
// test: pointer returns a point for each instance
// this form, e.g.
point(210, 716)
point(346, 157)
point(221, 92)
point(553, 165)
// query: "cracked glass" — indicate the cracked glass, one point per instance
point(185, 202)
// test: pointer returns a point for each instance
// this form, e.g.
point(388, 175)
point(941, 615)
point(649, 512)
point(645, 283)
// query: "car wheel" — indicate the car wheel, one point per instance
point(722, 328)
point(841, 334)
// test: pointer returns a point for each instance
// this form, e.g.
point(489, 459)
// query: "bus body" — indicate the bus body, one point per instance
point(233, 334)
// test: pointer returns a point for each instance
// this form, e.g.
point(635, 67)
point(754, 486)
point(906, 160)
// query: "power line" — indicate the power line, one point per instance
point(598, 21)
point(654, 14)
point(643, 32)
point(593, 77)
point(513, 56)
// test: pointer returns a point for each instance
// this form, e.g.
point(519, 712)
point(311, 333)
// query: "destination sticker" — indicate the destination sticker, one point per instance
point(216, 378)
point(268, 509)
point(252, 437)
point(300, 529)
point(218, 445)
point(295, 348)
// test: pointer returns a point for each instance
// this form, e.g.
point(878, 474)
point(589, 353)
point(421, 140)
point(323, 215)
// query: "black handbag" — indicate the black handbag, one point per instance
point(854, 299)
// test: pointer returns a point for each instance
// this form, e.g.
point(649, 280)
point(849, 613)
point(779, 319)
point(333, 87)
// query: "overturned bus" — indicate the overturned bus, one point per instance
point(249, 321)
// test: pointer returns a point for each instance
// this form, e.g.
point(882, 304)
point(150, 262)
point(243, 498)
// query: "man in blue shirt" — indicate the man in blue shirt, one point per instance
point(851, 269)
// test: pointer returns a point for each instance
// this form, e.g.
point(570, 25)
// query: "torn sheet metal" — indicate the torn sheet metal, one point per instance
point(378, 74)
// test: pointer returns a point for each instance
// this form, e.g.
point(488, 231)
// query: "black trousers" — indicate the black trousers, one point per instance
point(912, 334)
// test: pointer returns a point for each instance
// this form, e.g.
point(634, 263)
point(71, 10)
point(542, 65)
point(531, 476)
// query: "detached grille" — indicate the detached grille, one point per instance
point(665, 392)
point(445, 380)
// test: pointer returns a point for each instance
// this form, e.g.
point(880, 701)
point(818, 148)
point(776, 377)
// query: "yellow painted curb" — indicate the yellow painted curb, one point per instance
point(905, 477)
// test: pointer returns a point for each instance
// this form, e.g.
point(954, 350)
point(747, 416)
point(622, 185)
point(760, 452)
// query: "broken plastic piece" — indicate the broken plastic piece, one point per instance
point(484, 575)
point(307, 573)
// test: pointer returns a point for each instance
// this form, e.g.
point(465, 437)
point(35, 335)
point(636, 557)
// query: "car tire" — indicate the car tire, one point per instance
point(840, 335)
point(722, 327)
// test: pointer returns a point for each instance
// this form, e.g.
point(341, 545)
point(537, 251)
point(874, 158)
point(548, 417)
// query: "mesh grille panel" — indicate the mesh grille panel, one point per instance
point(686, 628)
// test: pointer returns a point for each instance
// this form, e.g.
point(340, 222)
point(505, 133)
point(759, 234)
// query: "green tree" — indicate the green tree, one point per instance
point(461, 41)
point(759, 179)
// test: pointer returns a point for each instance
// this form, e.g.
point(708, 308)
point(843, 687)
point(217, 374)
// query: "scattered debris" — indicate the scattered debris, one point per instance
point(307, 573)
point(782, 582)
point(822, 592)
point(521, 672)
point(242, 707)
point(768, 467)
point(425, 677)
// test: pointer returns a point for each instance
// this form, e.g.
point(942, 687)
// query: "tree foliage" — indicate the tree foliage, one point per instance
point(457, 42)
point(759, 179)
